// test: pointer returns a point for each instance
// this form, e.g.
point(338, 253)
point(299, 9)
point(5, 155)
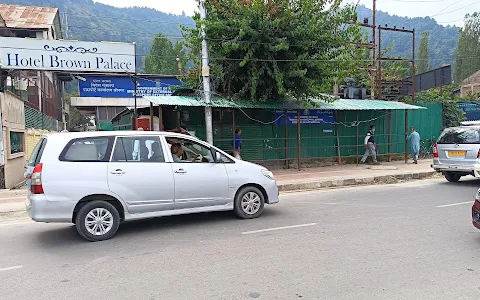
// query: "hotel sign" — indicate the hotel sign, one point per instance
point(64, 55)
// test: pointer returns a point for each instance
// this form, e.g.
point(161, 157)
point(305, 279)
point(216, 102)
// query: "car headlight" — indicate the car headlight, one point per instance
point(268, 174)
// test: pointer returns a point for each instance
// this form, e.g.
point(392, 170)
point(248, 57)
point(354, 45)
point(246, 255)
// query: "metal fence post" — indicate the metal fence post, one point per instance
point(389, 141)
point(339, 156)
point(356, 140)
point(406, 131)
point(286, 138)
point(298, 141)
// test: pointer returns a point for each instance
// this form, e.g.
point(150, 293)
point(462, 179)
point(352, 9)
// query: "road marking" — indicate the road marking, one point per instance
point(454, 204)
point(11, 268)
point(279, 228)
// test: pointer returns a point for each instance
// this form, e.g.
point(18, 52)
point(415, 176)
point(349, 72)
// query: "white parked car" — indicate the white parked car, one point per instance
point(99, 179)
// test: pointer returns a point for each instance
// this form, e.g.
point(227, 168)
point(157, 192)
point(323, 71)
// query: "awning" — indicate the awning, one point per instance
point(339, 104)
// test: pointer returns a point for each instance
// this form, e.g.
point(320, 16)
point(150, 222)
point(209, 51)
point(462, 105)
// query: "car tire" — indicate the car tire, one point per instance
point(249, 203)
point(452, 177)
point(100, 213)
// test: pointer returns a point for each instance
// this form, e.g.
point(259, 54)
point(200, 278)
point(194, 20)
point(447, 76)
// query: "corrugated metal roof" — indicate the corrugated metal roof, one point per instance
point(339, 104)
point(20, 16)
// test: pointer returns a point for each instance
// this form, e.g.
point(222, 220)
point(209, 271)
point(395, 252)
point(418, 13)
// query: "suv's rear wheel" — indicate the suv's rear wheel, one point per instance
point(452, 177)
point(249, 202)
point(97, 221)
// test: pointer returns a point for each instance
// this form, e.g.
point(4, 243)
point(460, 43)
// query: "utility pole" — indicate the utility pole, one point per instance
point(374, 24)
point(206, 75)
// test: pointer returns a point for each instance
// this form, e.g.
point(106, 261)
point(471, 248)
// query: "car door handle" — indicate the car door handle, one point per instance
point(180, 171)
point(117, 172)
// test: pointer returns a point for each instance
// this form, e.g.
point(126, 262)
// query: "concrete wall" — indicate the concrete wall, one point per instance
point(13, 120)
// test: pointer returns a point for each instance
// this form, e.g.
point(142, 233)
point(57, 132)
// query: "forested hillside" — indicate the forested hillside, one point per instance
point(98, 22)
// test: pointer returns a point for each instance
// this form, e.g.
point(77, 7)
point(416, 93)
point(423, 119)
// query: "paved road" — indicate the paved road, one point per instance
point(380, 242)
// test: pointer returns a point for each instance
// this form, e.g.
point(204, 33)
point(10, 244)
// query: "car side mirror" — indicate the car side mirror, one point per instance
point(218, 157)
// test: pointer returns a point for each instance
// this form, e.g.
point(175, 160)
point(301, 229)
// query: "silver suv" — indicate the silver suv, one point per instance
point(457, 151)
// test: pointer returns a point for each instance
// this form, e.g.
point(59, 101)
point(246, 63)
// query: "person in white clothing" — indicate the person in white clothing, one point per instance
point(370, 147)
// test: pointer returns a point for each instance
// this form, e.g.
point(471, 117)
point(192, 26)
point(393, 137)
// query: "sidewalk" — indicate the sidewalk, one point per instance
point(292, 179)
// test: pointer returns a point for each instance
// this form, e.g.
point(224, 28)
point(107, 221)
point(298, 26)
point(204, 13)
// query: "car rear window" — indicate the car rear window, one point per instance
point(460, 136)
point(37, 153)
point(95, 149)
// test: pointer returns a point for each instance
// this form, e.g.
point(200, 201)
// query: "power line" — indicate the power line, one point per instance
point(440, 12)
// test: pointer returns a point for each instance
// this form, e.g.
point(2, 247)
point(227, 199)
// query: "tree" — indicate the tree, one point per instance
point(163, 57)
point(277, 49)
point(467, 61)
point(76, 119)
point(423, 64)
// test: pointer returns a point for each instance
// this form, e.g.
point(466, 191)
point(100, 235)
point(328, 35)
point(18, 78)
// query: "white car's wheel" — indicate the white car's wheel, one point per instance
point(97, 221)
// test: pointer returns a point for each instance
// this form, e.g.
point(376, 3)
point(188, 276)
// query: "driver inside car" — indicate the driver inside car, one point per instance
point(177, 152)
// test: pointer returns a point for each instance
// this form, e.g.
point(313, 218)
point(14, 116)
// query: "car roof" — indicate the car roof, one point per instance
point(67, 136)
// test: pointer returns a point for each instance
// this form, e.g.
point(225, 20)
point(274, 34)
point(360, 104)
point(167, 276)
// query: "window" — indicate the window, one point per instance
point(184, 150)
point(460, 136)
point(37, 153)
point(87, 150)
point(138, 149)
point(16, 142)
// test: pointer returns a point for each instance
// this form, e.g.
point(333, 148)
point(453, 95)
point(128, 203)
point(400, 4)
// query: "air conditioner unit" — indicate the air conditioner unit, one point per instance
point(20, 84)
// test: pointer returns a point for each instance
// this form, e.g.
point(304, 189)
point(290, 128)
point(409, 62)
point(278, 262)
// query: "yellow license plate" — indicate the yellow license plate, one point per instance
point(456, 153)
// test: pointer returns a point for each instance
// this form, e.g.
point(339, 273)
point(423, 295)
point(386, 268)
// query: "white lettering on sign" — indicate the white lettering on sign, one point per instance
point(37, 54)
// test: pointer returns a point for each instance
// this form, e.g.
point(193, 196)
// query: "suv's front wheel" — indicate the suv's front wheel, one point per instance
point(452, 177)
point(97, 221)
point(249, 203)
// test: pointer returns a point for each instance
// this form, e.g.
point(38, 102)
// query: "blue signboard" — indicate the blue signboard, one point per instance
point(123, 87)
point(471, 110)
point(307, 116)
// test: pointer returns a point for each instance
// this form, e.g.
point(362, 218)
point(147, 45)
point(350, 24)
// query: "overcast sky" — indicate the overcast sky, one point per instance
point(444, 11)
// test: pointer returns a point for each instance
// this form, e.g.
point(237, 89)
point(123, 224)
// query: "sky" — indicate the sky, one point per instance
point(446, 12)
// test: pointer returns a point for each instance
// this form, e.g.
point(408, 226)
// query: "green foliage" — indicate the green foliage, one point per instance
point(423, 64)
point(468, 50)
point(76, 119)
point(452, 116)
point(273, 50)
point(163, 57)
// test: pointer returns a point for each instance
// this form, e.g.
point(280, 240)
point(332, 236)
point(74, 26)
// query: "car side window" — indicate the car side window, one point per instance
point(138, 149)
point(96, 149)
point(185, 150)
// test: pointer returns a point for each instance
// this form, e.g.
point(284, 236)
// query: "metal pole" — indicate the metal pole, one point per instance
point(406, 131)
point(356, 140)
point(441, 81)
point(286, 138)
point(206, 75)
point(389, 117)
point(151, 116)
point(233, 130)
point(298, 141)
point(339, 157)
point(372, 93)
point(413, 66)
point(379, 63)
point(160, 118)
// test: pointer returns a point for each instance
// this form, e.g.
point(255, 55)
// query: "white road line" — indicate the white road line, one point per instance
point(454, 204)
point(279, 228)
point(11, 268)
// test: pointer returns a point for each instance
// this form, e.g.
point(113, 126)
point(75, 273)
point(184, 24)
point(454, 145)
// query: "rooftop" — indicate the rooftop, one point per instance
point(32, 17)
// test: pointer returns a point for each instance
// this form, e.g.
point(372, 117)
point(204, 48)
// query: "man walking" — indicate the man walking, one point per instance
point(414, 139)
point(370, 148)
point(237, 143)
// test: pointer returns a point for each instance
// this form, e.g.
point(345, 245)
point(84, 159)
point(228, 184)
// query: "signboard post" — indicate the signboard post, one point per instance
point(64, 55)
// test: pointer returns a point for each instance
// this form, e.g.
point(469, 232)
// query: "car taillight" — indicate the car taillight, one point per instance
point(435, 150)
point(36, 185)
point(478, 154)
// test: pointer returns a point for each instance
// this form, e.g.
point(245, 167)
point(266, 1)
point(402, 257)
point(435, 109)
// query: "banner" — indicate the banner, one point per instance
point(307, 117)
point(63, 55)
point(123, 87)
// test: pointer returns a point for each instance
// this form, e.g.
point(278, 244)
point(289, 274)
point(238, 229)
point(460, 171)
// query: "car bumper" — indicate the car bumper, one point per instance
point(437, 166)
point(41, 210)
point(476, 214)
point(272, 192)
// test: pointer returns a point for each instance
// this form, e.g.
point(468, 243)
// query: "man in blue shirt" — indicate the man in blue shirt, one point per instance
point(414, 139)
point(237, 144)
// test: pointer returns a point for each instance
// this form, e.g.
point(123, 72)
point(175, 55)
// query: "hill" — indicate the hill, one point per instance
point(92, 21)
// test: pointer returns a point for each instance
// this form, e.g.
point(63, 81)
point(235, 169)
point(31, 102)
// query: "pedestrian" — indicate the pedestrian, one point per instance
point(414, 139)
point(370, 147)
point(237, 144)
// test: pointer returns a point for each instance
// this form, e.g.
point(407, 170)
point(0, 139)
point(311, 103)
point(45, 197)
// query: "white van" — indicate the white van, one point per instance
point(97, 180)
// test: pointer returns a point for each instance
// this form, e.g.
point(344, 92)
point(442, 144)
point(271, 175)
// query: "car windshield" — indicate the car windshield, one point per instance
point(460, 135)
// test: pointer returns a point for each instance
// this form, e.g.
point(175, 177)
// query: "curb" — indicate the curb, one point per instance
point(384, 179)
